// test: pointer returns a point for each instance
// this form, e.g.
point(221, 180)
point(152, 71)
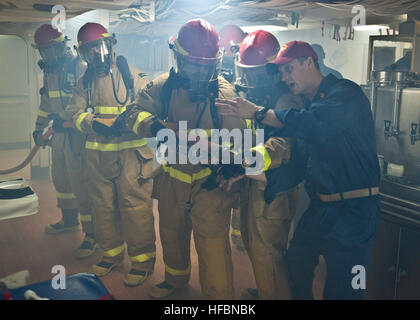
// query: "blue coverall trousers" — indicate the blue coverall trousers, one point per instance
point(343, 232)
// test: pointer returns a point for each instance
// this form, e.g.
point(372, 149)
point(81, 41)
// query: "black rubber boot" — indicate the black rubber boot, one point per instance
point(68, 223)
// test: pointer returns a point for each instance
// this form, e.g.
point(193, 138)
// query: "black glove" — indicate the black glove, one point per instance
point(117, 129)
point(57, 123)
point(38, 139)
point(211, 182)
point(120, 123)
point(104, 130)
point(225, 171)
point(156, 126)
point(231, 170)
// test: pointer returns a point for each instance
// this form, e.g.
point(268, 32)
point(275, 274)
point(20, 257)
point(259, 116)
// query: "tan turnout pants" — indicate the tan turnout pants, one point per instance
point(122, 206)
point(265, 229)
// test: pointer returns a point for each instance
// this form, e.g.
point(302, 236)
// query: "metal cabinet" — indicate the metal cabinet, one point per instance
point(408, 277)
point(381, 278)
point(395, 266)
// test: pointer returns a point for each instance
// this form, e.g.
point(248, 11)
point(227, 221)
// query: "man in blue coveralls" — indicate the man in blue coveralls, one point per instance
point(342, 172)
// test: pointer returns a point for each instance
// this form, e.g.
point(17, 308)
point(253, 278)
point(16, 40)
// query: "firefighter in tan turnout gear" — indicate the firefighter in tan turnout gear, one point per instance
point(267, 207)
point(231, 36)
point(118, 168)
point(61, 70)
point(187, 93)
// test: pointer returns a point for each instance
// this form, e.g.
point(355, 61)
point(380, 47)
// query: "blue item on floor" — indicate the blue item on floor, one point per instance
point(80, 286)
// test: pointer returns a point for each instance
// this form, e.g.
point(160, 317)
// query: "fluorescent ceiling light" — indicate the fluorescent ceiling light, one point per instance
point(269, 28)
point(371, 27)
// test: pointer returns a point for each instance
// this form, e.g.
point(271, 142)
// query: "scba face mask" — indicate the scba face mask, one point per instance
point(53, 51)
point(98, 55)
point(253, 77)
point(54, 56)
point(201, 79)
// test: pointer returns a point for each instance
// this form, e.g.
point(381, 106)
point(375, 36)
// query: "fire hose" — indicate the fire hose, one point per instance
point(33, 152)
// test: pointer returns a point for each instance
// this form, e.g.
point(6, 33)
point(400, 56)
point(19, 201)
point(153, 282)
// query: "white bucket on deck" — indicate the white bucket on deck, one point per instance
point(17, 199)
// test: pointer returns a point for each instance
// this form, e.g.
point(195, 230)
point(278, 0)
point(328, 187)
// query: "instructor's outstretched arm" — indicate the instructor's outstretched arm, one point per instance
point(244, 109)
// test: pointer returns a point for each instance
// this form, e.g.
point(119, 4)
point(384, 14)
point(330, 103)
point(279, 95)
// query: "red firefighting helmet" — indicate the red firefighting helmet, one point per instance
point(198, 42)
point(90, 32)
point(46, 35)
point(255, 51)
point(94, 35)
point(257, 48)
point(230, 35)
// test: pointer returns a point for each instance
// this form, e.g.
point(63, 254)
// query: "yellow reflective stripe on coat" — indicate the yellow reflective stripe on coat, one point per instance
point(80, 119)
point(143, 257)
point(115, 146)
point(201, 174)
point(263, 151)
point(141, 116)
point(177, 174)
point(175, 272)
point(113, 252)
point(61, 195)
point(109, 110)
point(43, 113)
point(236, 232)
point(86, 218)
point(250, 125)
point(185, 177)
point(56, 94)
